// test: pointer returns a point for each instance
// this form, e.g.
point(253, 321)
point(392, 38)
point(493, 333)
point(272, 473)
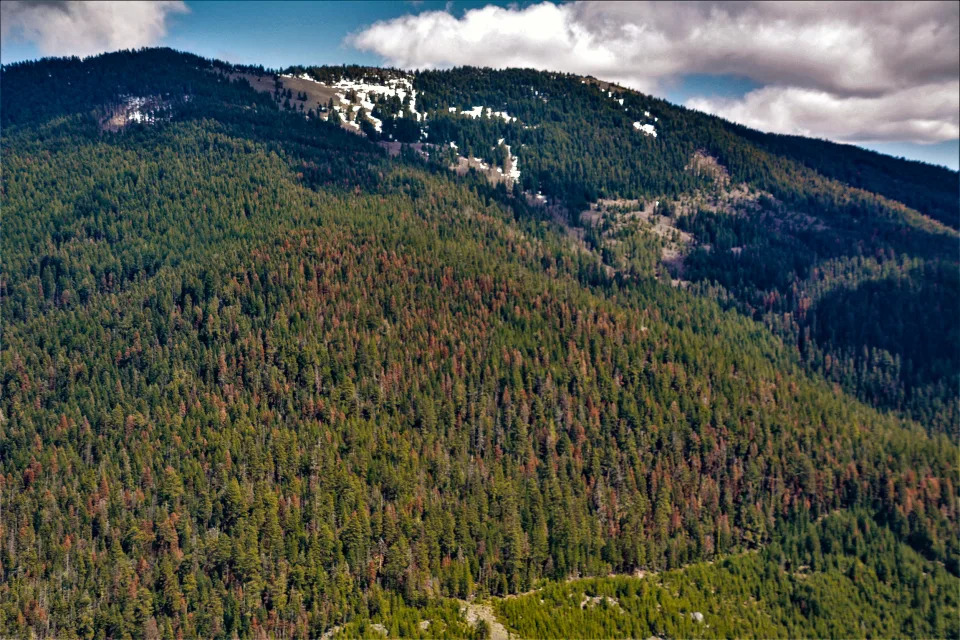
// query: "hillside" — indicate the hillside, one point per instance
point(269, 375)
point(822, 579)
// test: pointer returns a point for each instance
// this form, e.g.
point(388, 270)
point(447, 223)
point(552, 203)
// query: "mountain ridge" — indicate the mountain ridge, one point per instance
point(261, 377)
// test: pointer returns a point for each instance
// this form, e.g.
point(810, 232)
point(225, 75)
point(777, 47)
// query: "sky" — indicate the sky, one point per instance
point(885, 76)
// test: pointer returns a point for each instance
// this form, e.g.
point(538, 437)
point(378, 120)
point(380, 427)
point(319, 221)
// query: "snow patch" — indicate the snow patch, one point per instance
point(646, 129)
point(366, 94)
point(474, 113)
point(139, 109)
point(514, 172)
point(479, 112)
point(134, 114)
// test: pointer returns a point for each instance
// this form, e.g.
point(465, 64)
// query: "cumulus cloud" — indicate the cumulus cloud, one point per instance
point(923, 114)
point(889, 69)
point(87, 28)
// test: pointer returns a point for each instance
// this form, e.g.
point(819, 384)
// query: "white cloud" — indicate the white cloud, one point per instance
point(867, 61)
point(918, 114)
point(87, 28)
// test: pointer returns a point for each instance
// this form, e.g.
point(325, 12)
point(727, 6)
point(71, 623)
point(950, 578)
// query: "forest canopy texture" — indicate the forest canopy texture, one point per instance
point(260, 378)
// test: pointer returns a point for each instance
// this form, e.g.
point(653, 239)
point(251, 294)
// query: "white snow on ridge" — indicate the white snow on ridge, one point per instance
point(647, 129)
point(368, 92)
point(140, 110)
point(364, 93)
point(514, 165)
point(302, 76)
point(134, 114)
point(479, 112)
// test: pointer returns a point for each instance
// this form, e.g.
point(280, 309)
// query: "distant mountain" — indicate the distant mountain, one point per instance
point(322, 350)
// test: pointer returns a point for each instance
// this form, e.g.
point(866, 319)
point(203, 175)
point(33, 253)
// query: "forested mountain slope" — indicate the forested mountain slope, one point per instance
point(878, 239)
point(841, 576)
point(260, 377)
point(879, 260)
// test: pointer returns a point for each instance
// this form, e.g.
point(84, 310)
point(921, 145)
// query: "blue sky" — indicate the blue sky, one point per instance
point(271, 33)
point(780, 89)
point(279, 34)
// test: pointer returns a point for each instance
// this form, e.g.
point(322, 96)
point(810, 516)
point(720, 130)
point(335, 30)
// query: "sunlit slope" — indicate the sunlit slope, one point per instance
point(258, 375)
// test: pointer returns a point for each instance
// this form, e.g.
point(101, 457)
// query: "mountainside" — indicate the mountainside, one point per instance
point(296, 353)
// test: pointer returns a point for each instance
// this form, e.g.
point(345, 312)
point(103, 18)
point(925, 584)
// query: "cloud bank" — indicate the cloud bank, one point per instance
point(855, 72)
point(87, 28)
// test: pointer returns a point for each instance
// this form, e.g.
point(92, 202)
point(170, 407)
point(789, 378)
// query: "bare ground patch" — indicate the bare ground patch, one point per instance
point(394, 148)
point(615, 216)
point(318, 95)
point(495, 175)
point(264, 83)
point(475, 612)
